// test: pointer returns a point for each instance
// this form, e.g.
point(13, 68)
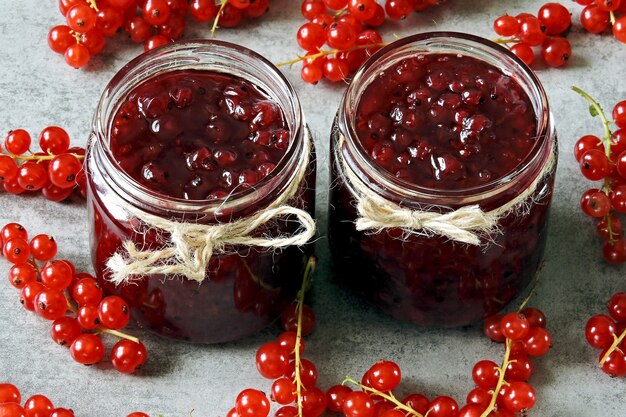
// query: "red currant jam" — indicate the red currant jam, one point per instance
point(214, 136)
point(437, 122)
point(198, 135)
point(446, 121)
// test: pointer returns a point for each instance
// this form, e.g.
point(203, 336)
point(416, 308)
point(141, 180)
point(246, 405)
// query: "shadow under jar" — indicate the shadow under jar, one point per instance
point(202, 132)
point(435, 123)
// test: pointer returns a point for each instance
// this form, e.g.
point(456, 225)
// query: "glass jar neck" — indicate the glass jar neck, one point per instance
point(206, 55)
point(384, 183)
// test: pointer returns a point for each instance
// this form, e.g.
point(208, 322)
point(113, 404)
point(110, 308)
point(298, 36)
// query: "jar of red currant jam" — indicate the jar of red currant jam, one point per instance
point(443, 159)
point(201, 191)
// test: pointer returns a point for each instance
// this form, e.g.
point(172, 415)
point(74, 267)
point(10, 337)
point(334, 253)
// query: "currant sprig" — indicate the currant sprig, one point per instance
point(387, 396)
point(348, 27)
point(600, 15)
point(54, 288)
point(56, 169)
point(604, 158)
point(546, 30)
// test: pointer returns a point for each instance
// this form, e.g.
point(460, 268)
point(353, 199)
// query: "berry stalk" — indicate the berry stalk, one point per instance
point(306, 283)
point(389, 397)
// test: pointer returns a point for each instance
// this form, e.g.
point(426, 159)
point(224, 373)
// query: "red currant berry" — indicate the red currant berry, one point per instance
point(617, 307)
point(308, 372)
point(272, 360)
point(514, 326)
point(506, 26)
point(585, 144)
point(519, 396)
point(335, 397)
point(384, 376)
point(311, 36)
point(520, 368)
point(599, 331)
point(203, 10)
point(417, 402)
point(358, 404)
point(8, 168)
point(335, 69)
point(57, 275)
point(340, 35)
point(398, 9)
point(619, 114)
point(87, 291)
point(128, 356)
point(114, 312)
point(12, 410)
point(50, 304)
point(594, 165)
point(20, 275)
point(362, 9)
point(532, 31)
point(283, 391)
point(38, 406)
point(479, 396)
point(595, 203)
point(43, 247)
point(28, 293)
point(257, 9)
point(602, 228)
point(555, 17)
point(154, 42)
point(252, 403)
point(615, 252)
point(16, 251)
point(81, 18)
point(12, 230)
point(608, 5)
point(594, 19)
point(313, 402)
point(77, 55)
point(311, 74)
point(556, 51)
point(615, 363)
point(87, 349)
point(62, 412)
point(17, 141)
point(618, 198)
point(486, 374)
point(312, 8)
point(287, 411)
point(60, 38)
point(492, 328)
point(535, 317)
point(65, 330)
point(524, 52)
point(289, 319)
point(155, 12)
point(336, 4)
point(443, 407)
point(288, 341)
point(471, 410)
point(537, 342)
point(9, 394)
point(63, 170)
point(140, 414)
point(54, 140)
point(88, 318)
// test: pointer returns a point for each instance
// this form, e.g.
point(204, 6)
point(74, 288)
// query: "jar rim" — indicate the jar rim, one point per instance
point(134, 68)
point(468, 44)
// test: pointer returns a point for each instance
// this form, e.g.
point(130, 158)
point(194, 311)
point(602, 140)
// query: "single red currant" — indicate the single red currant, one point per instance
point(128, 356)
point(272, 360)
point(599, 331)
point(252, 403)
point(514, 326)
point(87, 349)
point(384, 376)
point(65, 330)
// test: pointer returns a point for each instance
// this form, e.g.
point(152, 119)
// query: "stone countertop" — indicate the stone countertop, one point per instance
point(38, 89)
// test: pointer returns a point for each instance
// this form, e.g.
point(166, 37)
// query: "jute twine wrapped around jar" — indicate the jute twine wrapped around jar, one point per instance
point(467, 224)
point(190, 245)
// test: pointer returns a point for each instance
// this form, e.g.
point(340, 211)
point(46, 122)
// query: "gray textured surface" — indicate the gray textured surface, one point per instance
point(38, 89)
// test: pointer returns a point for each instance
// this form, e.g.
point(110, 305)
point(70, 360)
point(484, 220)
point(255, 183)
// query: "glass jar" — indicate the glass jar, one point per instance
point(418, 275)
point(245, 288)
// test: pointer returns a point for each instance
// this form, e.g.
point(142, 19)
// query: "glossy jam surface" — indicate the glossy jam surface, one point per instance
point(445, 121)
point(198, 135)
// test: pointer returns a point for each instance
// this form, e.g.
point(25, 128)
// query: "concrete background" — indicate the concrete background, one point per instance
point(38, 89)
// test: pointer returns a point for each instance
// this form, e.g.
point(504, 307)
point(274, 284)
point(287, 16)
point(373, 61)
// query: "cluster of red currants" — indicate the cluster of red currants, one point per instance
point(546, 31)
point(53, 289)
point(295, 378)
point(599, 15)
point(151, 22)
point(346, 26)
point(36, 406)
point(605, 160)
point(607, 333)
point(56, 170)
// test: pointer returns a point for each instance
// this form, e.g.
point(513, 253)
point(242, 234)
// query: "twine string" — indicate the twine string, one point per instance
point(190, 245)
point(464, 225)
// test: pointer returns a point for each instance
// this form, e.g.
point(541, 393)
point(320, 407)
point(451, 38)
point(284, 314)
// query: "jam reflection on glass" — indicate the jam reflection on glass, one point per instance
point(442, 122)
point(200, 135)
